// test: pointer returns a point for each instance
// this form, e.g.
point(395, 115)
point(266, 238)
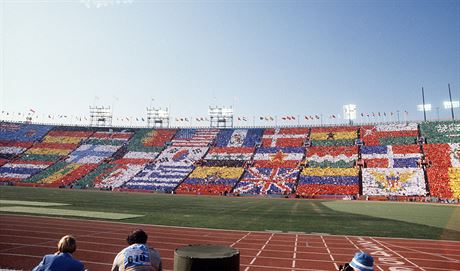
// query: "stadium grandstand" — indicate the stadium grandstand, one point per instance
point(408, 159)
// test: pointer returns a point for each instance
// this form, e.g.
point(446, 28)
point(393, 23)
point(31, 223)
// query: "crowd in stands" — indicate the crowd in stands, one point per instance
point(238, 137)
point(328, 181)
point(211, 180)
point(334, 136)
point(267, 181)
point(390, 134)
point(393, 182)
point(54, 146)
point(171, 167)
point(274, 170)
point(284, 137)
point(318, 161)
point(444, 164)
point(391, 156)
point(332, 157)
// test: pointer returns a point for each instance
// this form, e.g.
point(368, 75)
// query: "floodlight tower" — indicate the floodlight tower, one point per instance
point(157, 117)
point(349, 112)
point(221, 116)
point(424, 108)
point(451, 105)
point(100, 116)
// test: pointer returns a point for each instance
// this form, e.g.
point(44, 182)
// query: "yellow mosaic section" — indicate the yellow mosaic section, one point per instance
point(62, 139)
point(454, 182)
point(222, 172)
point(60, 173)
point(335, 136)
point(48, 151)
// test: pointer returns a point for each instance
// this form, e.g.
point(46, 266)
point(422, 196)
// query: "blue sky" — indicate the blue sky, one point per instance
point(266, 58)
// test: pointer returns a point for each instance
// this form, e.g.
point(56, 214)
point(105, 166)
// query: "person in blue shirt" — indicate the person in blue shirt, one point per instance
point(62, 260)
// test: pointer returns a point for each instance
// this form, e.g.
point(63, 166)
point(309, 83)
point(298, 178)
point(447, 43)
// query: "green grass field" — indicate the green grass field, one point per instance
point(408, 220)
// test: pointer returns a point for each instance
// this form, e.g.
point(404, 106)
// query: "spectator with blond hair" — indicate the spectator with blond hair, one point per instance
point(62, 259)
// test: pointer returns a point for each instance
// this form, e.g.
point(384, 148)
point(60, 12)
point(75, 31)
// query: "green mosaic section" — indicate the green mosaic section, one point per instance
point(328, 164)
point(89, 178)
point(47, 172)
point(408, 140)
point(441, 131)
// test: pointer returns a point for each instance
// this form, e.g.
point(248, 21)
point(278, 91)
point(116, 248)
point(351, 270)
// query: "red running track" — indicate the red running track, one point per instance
point(25, 239)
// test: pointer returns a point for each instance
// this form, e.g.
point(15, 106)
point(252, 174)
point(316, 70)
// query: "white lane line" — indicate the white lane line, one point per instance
point(349, 240)
point(260, 251)
point(397, 254)
point(423, 252)
point(294, 256)
point(237, 241)
point(330, 254)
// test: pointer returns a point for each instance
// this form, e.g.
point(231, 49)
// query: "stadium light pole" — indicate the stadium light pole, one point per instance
point(451, 104)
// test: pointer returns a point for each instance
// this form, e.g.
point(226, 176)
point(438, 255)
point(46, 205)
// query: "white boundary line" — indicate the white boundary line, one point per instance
point(260, 251)
point(294, 256)
point(397, 254)
point(360, 250)
point(160, 227)
point(423, 252)
point(213, 229)
point(237, 241)
point(330, 254)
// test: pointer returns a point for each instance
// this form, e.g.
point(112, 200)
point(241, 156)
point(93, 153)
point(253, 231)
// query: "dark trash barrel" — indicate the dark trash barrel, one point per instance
point(206, 258)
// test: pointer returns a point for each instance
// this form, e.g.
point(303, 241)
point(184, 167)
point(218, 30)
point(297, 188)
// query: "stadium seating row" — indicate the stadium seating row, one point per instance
point(379, 160)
